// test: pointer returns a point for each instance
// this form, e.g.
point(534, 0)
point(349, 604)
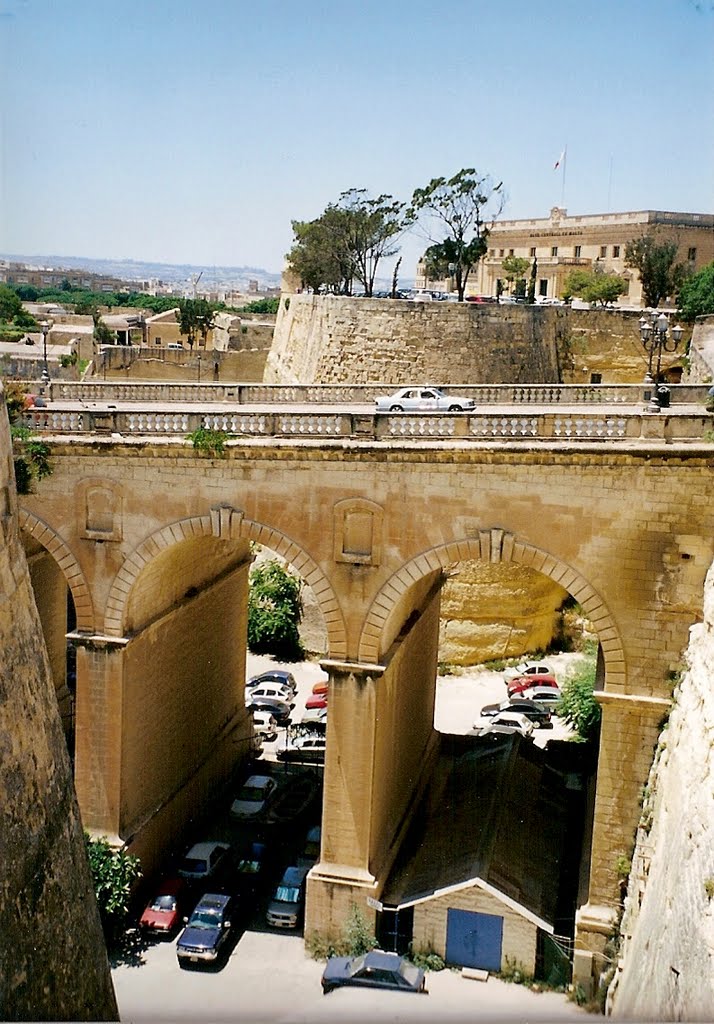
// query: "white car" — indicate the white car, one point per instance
point(546, 695)
point(314, 716)
point(309, 747)
point(273, 691)
point(423, 399)
point(526, 669)
point(203, 860)
point(253, 796)
point(505, 721)
point(265, 725)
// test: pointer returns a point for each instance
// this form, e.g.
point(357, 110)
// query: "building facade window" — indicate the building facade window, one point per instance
point(533, 250)
point(511, 252)
point(615, 251)
point(692, 253)
point(501, 252)
point(578, 251)
point(596, 378)
point(554, 250)
point(603, 252)
point(543, 286)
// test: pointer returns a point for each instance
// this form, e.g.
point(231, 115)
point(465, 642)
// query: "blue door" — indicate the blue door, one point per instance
point(474, 940)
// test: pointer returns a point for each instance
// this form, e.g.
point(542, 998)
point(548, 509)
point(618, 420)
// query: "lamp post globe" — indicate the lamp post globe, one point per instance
point(657, 337)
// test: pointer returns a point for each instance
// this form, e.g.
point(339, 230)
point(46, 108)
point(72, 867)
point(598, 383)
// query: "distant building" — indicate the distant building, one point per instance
point(560, 243)
point(51, 277)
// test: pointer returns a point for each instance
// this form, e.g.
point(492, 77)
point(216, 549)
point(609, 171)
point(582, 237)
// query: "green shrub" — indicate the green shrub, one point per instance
point(213, 442)
point(275, 612)
point(31, 459)
point(578, 705)
point(428, 960)
point(515, 972)
point(113, 875)
point(354, 940)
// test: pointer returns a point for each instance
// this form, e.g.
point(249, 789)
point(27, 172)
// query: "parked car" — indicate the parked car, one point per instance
point(309, 746)
point(265, 725)
point(249, 870)
point(311, 850)
point(164, 911)
point(321, 686)
point(521, 683)
point(423, 399)
point(294, 800)
point(375, 969)
point(481, 299)
point(317, 700)
point(204, 860)
point(504, 721)
point(548, 695)
point(273, 691)
point(206, 931)
point(315, 718)
point(277, 708)
point(526, 669)
point(535, 713)
point(287, 907)
point(273, 675)
point(254, 796)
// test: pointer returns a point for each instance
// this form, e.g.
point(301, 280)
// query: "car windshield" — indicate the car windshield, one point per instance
point(357, 965)
point(287, 894)
point(164, 903)
point(204, 919)
point(195, 866)
point(248, 867)
point(252, 794)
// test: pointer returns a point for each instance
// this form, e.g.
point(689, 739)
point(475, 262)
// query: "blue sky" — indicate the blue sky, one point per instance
point(193, 132)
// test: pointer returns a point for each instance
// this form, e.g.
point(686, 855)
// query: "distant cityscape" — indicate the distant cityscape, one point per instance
point(153, 278)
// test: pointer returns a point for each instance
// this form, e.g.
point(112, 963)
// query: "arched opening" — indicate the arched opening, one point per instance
point(487, 826)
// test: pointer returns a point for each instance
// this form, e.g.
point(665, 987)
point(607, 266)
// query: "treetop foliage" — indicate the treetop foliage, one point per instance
point(595, 285)
point(113, 874)
point(195, 318)
point(696, 296)
point(660, 275)
point(275, 612)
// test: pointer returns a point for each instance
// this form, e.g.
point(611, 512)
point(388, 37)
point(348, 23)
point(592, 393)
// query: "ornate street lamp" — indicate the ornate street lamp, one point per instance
point(45, 327)
point(656, 337)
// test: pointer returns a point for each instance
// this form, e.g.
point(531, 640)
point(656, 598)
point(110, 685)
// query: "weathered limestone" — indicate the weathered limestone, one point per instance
point(326, 339)
point(666, 965)
point(53, 962)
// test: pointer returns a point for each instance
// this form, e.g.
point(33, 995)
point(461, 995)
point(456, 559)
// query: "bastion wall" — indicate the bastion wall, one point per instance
point(327, 339)
point(665, 969)
point(53, 962)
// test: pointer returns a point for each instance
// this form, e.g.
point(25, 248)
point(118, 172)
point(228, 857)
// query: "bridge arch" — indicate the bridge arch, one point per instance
point(227, 523)
point(43, 533)
point(494, 545)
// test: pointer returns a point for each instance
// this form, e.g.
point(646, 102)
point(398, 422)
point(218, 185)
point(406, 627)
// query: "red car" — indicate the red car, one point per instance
point(164, 912)
point(318, 700)
point(521, 683)
point(321, 686)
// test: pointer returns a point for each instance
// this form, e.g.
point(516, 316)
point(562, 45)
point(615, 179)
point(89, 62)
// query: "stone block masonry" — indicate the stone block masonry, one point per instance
point(53, 962)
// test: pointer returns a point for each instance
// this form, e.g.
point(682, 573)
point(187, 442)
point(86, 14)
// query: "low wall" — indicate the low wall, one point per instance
point(332, 339)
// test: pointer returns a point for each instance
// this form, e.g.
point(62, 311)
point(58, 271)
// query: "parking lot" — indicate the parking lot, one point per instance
point(265, 974)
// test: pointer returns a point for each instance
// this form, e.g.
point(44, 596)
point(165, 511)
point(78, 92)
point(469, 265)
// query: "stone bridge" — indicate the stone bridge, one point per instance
point(152, 539)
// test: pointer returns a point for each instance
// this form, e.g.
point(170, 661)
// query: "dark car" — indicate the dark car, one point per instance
point(536, 713)
point(373, 970)
point(164, 911)
point(207, 929)
point(274, 675)
point(277, 708)
point(249, 869)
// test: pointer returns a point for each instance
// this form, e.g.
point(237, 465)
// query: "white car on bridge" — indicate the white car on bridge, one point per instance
point(423, 399)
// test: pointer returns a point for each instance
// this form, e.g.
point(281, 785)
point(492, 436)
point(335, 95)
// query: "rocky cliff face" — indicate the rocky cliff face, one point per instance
point(53, 962)
point(666, 965)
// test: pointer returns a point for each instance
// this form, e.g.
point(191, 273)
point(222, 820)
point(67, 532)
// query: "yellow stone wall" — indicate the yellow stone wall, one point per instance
point(519, 933)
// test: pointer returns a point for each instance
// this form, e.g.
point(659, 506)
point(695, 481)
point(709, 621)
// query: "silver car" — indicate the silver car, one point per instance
point(423, 399)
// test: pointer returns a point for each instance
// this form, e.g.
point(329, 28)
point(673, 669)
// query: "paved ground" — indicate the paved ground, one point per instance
point(269, 978)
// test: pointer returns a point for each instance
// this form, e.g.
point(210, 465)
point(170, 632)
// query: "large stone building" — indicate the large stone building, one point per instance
point(561, 243)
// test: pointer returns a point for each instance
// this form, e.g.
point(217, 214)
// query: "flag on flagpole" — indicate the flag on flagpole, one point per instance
point(560, 160)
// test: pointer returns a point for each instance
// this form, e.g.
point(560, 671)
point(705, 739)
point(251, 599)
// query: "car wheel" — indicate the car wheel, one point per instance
point(455, 408)
point(396, 408)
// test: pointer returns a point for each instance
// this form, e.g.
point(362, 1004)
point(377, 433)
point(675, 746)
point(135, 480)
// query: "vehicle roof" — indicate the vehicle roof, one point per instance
point(258, 781)
point(551, 691)
point(382, 960)
point(294, 875)
point(275, 675)
point(203, 849)
point(213, 899)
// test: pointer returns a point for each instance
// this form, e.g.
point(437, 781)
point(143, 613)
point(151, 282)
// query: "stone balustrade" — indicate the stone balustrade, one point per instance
point(334, 394)
point(555, 425)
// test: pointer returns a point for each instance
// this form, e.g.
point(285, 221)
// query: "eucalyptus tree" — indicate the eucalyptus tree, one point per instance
point(455, 214)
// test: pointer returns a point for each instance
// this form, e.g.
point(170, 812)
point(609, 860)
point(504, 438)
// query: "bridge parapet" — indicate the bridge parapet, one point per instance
point(258, 394)
point(561, 425)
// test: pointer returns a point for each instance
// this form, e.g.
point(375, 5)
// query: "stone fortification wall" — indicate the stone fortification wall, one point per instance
point(701, 351)
point(53, 963)
point(328, 339)
point(666, 966)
